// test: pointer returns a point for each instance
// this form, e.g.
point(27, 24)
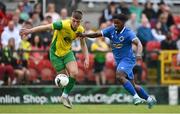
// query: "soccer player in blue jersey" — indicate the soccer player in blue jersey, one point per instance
point(121, 39)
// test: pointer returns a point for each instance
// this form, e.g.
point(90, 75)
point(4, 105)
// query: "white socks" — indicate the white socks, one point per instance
point(64, 95)
point(136, 96)
point(149, 99)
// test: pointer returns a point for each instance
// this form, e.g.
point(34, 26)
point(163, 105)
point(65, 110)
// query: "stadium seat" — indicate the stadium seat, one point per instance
point(91, 61)
point(31, 64)
point(46, 70)
point(152, 48)
point(80, 78)
point(47, 74)
point(33, 75)
point(174, 63)
point(110, 61)
point(90, 76)
point(110, 75)
point(45, 63)
point(177, 19)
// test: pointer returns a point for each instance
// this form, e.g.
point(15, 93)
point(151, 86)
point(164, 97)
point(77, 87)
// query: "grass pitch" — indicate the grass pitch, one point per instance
point(88, 109)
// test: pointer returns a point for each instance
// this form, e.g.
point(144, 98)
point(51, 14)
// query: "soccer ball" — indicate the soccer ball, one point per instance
point(61, 80)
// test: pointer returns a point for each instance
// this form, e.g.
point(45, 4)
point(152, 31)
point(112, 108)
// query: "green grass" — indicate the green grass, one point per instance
point(88, 109)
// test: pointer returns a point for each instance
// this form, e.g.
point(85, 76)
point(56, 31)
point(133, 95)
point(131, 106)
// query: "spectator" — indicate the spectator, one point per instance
point(178, 47)
point(165, 11)
point(5, 70)
point(15, 19)
point(157, 32)
point(45, 37)
point(138, 69)
point(36, 47)
point(20, 68)
point(64, 14)
point(87, 27)
point(104, 25)
point(35, 19)
point(144, 31)
point(168, 43)
point(48, 19)
point(149, 11)
point(3, 17)
point(24, 16)
point(17, 25)
point(135, 8)
point(99, 48)
point(27, 7)
point(132, 23)
point(10, 32)
point(51, 12)
point(109, 12)
point(168, 14)
point(38, 9)
point(124, 8)
point(14, 58)
point(8, 61)
point(163, 20)
point(25, 44)
point(161, 9)
point(76, 47)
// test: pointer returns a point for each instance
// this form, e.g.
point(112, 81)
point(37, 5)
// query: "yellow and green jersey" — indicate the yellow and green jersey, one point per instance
point(63, 37)
point(100, 56)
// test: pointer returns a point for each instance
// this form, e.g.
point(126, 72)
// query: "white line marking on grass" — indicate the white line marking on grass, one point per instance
point(87, 113)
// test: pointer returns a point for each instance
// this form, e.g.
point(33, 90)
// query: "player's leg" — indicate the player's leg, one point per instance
point(64, 97)
point(97, 73)
point(123, 71)
point(143, 94)
point(102, 75)
point(72, 70)
point(59, 65)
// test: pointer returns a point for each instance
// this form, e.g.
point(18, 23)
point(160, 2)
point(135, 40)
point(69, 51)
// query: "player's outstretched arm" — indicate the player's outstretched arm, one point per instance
point(91, 35)
point(139, 48)
point(85, 52)
point(40, 28)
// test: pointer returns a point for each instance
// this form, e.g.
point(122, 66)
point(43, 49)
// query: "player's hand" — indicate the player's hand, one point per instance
point(80, 35)
point(25, 32)
point(86, 63)
point(138, 59)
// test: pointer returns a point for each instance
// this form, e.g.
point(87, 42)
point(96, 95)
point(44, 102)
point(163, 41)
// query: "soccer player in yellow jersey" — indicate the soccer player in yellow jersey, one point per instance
point(61, 56)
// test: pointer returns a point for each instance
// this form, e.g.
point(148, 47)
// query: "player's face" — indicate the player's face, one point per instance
point(75, 22)
point(118, 24)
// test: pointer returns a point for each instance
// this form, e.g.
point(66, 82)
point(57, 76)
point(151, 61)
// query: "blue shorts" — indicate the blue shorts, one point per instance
point(126, 65)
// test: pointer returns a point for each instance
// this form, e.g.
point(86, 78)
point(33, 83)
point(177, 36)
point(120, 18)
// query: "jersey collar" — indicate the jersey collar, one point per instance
point(121, 30)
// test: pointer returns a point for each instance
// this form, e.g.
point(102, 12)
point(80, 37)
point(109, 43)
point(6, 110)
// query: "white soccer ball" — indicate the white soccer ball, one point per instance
point(61, 80)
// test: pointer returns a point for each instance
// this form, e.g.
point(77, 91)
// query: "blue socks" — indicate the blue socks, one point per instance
point(142, 93)
point(139, 90)
point(129, 87)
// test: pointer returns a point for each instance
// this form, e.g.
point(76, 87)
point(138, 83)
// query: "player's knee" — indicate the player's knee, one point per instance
point(137, 87)
point(73, 72)
point(120, 77)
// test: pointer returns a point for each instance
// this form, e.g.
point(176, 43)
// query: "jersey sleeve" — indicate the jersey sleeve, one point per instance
point(132, 36)
point(57, 25)
point(94, 47)
point(106, 32)
point(81, 29)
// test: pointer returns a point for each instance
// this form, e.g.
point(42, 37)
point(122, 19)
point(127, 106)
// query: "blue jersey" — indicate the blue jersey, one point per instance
point(121, 42)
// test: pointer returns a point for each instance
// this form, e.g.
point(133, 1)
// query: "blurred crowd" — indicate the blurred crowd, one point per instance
point(25, 59)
